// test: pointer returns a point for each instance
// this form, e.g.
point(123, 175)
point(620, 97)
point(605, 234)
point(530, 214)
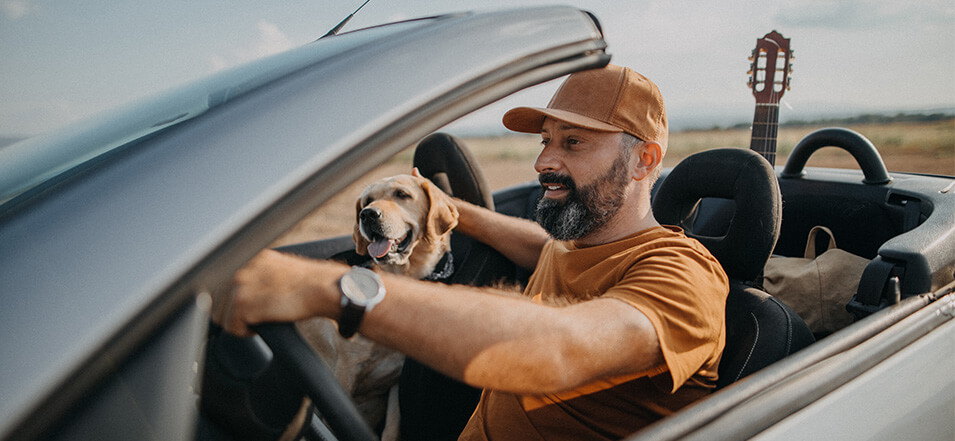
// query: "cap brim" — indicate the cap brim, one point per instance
point(531, 120)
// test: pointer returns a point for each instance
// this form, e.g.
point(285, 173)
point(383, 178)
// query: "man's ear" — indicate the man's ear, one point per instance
point(647, 157)
point(361, 244)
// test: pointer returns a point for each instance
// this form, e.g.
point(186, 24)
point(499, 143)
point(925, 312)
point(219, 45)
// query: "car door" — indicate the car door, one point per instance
point(116, 231)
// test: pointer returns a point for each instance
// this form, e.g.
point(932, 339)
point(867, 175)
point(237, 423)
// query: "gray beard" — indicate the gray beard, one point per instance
point(587, 209)
point(566, 221)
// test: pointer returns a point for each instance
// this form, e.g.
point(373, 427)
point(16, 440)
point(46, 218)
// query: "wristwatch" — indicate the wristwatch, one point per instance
point(361, 289)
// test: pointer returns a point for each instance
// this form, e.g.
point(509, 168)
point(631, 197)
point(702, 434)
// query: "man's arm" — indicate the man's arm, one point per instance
point(518, 239)
point(490, 341)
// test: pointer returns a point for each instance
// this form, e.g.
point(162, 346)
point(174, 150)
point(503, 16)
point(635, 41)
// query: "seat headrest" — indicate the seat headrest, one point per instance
point(444, 160)
point(742, 176)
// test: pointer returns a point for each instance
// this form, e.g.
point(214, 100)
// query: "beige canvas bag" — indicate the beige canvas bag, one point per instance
point(816, 287)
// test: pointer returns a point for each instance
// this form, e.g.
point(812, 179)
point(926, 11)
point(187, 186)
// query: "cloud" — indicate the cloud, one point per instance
point(855, 14)
point(15, 9)
point(827, 14)
point(270, 40)
point(398, 16)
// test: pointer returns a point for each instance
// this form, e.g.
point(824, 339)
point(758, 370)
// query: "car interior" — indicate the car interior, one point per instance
point(729, 199)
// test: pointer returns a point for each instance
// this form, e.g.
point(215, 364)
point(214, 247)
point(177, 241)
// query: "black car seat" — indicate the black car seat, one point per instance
point(434, 406)
point(729, 200)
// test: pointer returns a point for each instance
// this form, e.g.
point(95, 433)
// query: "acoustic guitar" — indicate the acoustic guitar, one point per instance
point(769, 79)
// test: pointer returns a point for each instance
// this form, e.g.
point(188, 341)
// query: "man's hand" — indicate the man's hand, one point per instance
point(276, 287)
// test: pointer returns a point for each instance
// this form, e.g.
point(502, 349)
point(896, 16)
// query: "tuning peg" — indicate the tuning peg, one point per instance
point(752, 55)
point(792, 54)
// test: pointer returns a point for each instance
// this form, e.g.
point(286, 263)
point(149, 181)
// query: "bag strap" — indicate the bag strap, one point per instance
point(810, 252)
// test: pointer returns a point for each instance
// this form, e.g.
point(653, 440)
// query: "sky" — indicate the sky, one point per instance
point(64, 61)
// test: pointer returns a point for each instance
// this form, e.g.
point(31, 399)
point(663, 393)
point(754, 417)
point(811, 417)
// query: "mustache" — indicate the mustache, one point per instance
point(555, 178)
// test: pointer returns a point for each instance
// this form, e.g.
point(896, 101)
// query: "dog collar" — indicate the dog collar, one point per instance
point(447, 269)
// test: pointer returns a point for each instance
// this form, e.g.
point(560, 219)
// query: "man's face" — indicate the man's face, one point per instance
point(585, 175)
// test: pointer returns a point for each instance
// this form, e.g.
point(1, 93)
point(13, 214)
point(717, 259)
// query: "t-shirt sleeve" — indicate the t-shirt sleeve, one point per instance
point(683, 293)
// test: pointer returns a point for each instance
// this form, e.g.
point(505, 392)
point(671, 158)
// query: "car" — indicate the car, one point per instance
point(119, 231)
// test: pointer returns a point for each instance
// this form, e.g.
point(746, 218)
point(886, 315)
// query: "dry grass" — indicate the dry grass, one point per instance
point(508, 160)
point(905, 147)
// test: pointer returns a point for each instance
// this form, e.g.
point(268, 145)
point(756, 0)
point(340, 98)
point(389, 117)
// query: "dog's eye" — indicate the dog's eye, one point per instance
point(402, 194)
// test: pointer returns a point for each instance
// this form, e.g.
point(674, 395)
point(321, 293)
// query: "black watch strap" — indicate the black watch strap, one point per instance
point(350, 319)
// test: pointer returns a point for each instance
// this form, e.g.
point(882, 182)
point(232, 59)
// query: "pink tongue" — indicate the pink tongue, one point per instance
point(380, 247)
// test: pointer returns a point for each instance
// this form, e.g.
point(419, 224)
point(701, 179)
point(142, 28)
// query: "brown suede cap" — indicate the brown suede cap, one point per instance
point(610, 99)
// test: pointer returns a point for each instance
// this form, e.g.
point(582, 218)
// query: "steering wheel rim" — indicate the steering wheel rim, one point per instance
point(327, 394)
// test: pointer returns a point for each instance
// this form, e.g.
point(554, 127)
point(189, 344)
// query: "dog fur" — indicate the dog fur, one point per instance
point(404, 222)
point(406, 228)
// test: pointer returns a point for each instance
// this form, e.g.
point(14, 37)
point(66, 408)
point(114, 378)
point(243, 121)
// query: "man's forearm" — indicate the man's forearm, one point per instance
point(518, 239)
point(509, 343)
point(487, 340)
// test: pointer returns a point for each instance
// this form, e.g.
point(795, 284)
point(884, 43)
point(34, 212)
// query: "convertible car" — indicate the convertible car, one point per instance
point(117, 233)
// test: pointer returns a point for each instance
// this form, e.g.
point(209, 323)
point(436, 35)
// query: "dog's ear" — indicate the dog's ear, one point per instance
point(442, 214)
point(361, 244)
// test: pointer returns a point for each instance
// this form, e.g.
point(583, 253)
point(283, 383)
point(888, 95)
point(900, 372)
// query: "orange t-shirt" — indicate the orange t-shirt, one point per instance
point(671, 279)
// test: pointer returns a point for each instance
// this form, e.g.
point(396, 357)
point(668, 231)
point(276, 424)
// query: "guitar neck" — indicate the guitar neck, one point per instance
point(765, 128)
point(769, 80)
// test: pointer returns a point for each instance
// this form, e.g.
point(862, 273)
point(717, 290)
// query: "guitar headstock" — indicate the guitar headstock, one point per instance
point(771, 68)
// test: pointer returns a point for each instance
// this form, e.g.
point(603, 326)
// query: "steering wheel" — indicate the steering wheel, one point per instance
point(327, 394)
point(253, 388)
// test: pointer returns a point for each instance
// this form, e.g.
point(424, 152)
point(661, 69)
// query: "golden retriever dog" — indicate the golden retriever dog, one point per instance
point(404, 224)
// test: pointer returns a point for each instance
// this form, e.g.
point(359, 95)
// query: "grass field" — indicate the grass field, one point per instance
point(508, 160)
point(905, 147)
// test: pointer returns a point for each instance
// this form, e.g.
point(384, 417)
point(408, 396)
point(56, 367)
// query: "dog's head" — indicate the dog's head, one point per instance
point(404, 223)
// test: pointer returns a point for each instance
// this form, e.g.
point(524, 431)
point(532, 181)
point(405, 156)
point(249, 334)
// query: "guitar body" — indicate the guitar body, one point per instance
point(769, 80)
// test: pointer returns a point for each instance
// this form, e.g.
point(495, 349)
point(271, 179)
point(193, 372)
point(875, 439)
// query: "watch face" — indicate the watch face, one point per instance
point(361, 286)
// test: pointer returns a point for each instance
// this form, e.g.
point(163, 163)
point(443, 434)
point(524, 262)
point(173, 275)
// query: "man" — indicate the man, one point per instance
point(625, 325)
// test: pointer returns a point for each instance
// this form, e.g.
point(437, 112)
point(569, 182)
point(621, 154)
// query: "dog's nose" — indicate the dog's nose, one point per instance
point(369, 214)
